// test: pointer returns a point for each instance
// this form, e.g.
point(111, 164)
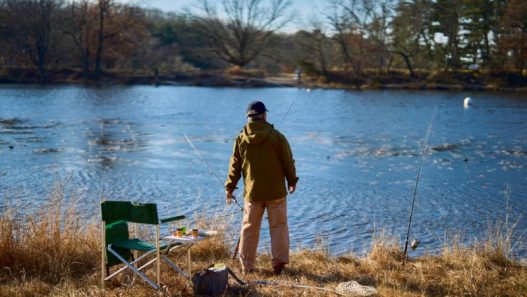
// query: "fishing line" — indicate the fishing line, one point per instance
point(209, 168)
point(219, 181)
point(286, 113)
point(425, 144)
point(202, 160)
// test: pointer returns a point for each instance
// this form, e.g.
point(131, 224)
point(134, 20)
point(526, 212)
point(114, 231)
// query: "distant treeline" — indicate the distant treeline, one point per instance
point(351, 38)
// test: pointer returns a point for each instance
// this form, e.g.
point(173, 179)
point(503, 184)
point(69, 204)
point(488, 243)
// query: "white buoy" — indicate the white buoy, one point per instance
point(467, 102)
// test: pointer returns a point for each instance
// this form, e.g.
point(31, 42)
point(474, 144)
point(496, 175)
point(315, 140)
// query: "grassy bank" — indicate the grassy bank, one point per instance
point(236, 77)
point(60, 75)
point(459, 80)
point(51, 253)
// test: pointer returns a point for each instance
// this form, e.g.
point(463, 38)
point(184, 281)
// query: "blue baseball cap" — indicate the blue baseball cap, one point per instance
point(256, 108)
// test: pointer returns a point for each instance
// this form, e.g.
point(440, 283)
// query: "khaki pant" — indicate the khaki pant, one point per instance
point(250, 234)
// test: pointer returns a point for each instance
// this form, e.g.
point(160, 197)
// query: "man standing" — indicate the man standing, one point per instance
point(263, 156)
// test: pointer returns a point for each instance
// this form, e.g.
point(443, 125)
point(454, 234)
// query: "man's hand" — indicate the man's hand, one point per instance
point(228, 197)
point(292, 189)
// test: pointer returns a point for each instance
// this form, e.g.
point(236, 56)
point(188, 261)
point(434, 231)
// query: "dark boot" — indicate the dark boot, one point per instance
point(278, 268)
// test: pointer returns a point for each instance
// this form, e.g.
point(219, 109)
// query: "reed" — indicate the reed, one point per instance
point(53, 253)
point(51, 244)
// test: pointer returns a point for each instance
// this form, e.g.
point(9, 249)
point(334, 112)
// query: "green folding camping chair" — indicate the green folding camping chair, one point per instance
point(118, 247)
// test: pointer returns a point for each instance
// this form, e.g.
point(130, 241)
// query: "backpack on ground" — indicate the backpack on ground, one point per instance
point(213, 281)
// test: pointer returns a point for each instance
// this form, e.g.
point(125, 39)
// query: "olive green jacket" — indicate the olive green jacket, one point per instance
point(263, 156)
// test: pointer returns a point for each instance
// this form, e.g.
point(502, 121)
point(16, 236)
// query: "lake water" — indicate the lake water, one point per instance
point(356, 153)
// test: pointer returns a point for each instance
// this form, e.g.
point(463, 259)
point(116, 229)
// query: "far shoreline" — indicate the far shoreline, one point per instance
point(253, 79)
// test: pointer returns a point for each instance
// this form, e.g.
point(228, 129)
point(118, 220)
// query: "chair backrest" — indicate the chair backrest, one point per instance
point(114, 232)
point(116, 215)
point(143, 213)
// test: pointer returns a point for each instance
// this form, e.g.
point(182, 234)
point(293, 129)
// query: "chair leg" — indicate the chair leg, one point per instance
point(135, 254)
point(142, 275)
point(158, 256)
point(189, 261)
point(103, 254)
point(134, 262)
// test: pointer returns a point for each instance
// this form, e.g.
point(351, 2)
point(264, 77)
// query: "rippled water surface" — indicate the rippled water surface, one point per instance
point(356, 154)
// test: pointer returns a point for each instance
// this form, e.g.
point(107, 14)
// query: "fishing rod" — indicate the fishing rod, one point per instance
point(427, 136)
point(209, 168)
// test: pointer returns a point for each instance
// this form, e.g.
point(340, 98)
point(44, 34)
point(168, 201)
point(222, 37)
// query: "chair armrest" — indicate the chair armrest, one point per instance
point(171, 219)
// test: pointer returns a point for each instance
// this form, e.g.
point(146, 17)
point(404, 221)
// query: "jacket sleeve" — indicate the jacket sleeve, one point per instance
point(288, 163)
point(235, 168)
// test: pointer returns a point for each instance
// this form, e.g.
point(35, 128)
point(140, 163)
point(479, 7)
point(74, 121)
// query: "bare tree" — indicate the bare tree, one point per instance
point(361, 28)
point(348, 20)
point(3, 33)
point(78, 24)
point(321, 48)
point(410, 37)
point(515, 33)
point(31, 24)
point(242, 29)
point(317, 45)
point(447, 21)
point(377, 30)
point(103, 9)
point(97, 28)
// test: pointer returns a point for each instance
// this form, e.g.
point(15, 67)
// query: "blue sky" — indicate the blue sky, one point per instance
point(303, 10)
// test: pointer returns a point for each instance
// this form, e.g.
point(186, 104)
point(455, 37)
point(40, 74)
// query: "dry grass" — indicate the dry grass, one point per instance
point(50, 253)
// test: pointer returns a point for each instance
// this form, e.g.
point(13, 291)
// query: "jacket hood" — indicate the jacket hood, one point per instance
point(256, 131)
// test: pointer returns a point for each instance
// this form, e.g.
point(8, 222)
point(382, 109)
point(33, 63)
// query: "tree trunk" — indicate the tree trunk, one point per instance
point(100, 38)
point(389, 64)
point(42, 70)
point(407, 62)
point(521, 54)
point(381, 65)
point(40, 59)
point(486, 55)
point(341, 40)
point(86, 63)
point(321, 58)
point(409, 65)
point(42, 37)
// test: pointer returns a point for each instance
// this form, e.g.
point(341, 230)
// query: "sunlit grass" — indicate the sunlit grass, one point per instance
point(52, 253)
